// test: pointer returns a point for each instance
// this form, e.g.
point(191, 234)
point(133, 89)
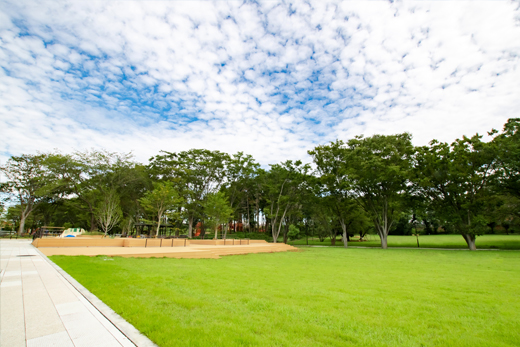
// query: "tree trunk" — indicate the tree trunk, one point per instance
point(248, 215)
point(384, 241)
point(333, 240)
point(158, 225)
point(216, 233)
point(257, 215)
point(93, 224)
point(23, 217)
point(202, 229)
point(345, 237)
point(385, 227)
point(22, 225)
point(273, 231)
point(190, 227)
point(470, 240)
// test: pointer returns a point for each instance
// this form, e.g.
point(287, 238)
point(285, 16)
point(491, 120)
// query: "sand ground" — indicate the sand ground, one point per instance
point(191, 251)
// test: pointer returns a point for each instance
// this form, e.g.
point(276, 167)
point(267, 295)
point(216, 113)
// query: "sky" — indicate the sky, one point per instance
point(268, 78)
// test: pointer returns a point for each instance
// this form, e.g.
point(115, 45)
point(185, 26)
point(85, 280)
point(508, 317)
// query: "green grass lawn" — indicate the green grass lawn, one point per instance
point(427, 241)
point(316, 297)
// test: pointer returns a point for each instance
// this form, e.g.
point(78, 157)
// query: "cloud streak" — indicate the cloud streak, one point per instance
point(269, 79)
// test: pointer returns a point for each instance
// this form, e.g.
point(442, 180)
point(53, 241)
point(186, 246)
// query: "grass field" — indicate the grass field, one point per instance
point(316, 297)
point(427, 241)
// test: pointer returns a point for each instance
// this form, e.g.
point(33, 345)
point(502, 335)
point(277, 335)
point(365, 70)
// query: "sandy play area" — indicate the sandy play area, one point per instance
point(195, 249)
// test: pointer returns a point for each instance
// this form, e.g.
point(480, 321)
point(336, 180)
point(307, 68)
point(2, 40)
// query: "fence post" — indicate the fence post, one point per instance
point(160, 245)
point(145, 242)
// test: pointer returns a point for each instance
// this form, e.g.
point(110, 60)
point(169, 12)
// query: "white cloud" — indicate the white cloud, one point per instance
point(269, 79)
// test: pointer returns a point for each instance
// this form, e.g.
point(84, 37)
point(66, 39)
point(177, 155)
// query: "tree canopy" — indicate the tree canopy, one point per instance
point(380, 184)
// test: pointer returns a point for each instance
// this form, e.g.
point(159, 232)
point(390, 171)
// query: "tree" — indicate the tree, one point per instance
point(240, 187)
point(456, 179)
point(374, 171)
point(282, 186)
point(108, 213)
point(217, 210)
point(28, 183)
point(335, 184)
point(197, 172)
point(89, 175)
point(507, 145)
point(164, 197)
point(294, 232)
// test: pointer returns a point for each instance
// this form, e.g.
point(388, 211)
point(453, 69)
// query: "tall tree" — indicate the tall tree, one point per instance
point(282, 185)
point(197, 171)
point(334, 183)
point(456, 179)
point(108, 212)
point(28, 183)
point(378, 170)
point(217, 210)
point(90, 174)
point(507, 145)
point(163, 198)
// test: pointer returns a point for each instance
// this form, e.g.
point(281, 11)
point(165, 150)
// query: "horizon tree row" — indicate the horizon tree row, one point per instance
point(375, 183)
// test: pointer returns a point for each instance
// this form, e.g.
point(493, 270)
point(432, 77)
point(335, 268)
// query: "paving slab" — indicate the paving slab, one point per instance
point(41, 305)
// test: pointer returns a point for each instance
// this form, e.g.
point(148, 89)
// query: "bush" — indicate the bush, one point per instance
point(294, 232)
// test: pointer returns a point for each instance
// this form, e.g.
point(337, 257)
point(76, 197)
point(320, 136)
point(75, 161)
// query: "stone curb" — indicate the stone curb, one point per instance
point(119, 322)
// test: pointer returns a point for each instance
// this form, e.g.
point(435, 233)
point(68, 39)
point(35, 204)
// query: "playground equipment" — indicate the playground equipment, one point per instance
point(72, 232)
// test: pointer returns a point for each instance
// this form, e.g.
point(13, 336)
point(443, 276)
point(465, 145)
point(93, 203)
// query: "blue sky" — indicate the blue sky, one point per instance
point(267, 78)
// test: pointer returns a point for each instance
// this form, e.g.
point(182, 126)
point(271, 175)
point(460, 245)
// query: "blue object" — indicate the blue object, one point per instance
point(70, 236)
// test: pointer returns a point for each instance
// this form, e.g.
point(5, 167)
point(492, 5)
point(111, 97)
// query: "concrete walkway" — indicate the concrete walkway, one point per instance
point(40, 305)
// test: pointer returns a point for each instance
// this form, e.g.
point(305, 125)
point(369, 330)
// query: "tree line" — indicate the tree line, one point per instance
point(380, 183)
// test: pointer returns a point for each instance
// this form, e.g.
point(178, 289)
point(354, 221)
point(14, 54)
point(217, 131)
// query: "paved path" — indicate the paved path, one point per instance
point(40, 307)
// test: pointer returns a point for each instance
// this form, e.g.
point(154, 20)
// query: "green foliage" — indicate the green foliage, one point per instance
point(507, 146)
point(108, 212)
point(164, 197)
point(294, 232)
point(469, 187)
point(283, 186)
point(373, 170)
point(335, 185)
point(456, 179)
point(27, 183)
point(88, 176)
point(402, 227)
point(217, 210)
